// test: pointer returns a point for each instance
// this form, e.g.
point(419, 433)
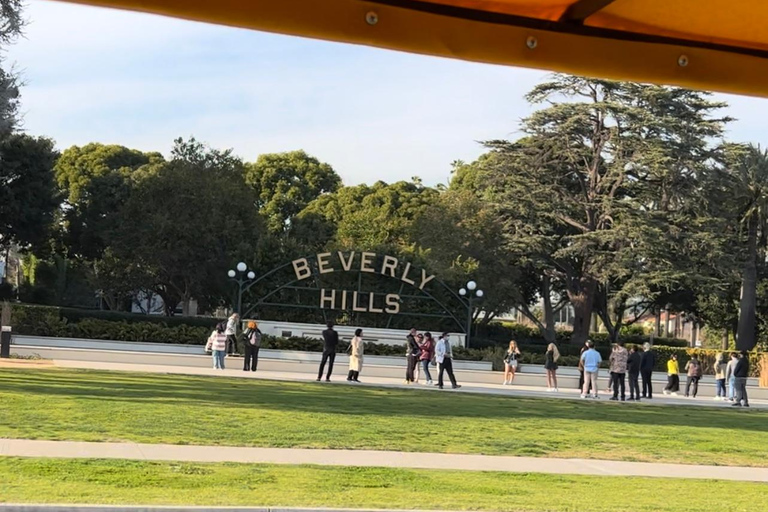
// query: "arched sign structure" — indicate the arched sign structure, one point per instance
point(357, 284)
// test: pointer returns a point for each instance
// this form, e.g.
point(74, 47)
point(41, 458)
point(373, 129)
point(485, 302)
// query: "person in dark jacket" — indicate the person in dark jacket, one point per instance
point(330, 340)
point(741, 372)
point(633, 368)
point(251, 345)
point(647, 363)
point(412, 353)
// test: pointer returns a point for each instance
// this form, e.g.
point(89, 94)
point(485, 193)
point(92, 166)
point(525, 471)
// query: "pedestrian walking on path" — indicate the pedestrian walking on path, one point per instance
point(217, 344)
point(633, 370)
point(581, 367)
point(741, 373)
point(591, 359)
point(411, 355)
point(330, 341)
point(510, 362)
point(694, 372)
point(618, 361)
point(231, 332)
point(427, 355)
point(444, 356)
point(730, 377)
point(647, 364)
point(356, 348)
point(251, 345)
point(720, 369)
point(550, 365)
point(673, 376)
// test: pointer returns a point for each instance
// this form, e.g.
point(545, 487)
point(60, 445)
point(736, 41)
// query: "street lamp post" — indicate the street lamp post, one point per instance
point(471, 293)
point(241, 276)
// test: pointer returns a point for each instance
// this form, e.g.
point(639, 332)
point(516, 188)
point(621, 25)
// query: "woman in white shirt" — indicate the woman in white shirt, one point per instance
point(356, 347)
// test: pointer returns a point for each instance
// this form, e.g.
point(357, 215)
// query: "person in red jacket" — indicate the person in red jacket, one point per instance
point(427, 354)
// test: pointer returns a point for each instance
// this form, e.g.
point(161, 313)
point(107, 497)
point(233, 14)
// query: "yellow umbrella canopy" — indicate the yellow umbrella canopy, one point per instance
point(707, 44)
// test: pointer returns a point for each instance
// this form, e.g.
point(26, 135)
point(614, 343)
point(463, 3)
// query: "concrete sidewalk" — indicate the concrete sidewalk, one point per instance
point(372, 458)
point(491, 389)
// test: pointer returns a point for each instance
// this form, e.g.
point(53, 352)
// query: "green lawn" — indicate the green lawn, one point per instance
point(155, 483)
point(154, 408)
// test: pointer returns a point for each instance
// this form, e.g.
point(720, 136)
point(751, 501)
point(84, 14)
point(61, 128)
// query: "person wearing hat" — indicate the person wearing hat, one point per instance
point(252, 343)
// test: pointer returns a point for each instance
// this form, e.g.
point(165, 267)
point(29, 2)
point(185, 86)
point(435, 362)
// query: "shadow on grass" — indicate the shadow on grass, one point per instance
point(339, 399)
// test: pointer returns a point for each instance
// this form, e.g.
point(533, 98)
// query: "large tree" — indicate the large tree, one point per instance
point(185, 224)
point(285, 183)
point(28, 196)
point(591, 188)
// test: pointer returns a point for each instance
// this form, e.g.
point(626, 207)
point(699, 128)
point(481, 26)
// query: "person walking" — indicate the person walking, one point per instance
point(444, 356)
point(417, 365)
point(330, 341)
point(618, 360)
point(720, 369)
point(741, 373)
point(550, 365)
point(730, 378)
point(411, 355)
point(510, 362)
point(647, 364)
point(251, 345)
point(356, 348)
point(633, 370)
point(591, 359)
point(231, 332)
point(427, 348)
point(217, 344)
point(673, 376)
point(693, 371)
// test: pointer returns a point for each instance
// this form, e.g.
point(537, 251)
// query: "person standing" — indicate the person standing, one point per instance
point(251, 345)
point(741, 373)
point(591, 359)
point(217, 344)
point(356, 347)
point(427, 354)
point(647, 364)
point(720, 369)
point(550, 365)
point(673, 376)
point(693, 371)
point(510, 362)
point(231, 332)
point(411, 355)
point(330, 341)
point(444, 356)
point(730, 378)
point(417, 366)
point(633, 369)
point(581, 367)
point(618, 361)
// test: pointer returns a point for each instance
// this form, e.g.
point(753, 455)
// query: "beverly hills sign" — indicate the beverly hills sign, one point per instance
point(367, 262)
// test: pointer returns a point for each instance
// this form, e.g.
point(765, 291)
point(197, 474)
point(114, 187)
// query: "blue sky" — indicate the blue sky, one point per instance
point(139, 80)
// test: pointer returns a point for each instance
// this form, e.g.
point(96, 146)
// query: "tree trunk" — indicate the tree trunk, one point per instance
point(725, 340)
point(658, 322)
point(745, 338)
point(666, 323)
point(581, 293)
point(548, 330)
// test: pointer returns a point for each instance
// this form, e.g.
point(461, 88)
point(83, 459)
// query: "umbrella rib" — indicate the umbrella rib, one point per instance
point(580, 10)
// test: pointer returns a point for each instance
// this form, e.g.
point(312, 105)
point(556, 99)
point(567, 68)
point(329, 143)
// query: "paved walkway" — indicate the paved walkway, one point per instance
point(372, 458)
point(491, 389)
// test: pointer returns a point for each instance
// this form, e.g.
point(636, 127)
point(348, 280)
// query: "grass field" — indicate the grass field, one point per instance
point(153, 483)
point(154, 408)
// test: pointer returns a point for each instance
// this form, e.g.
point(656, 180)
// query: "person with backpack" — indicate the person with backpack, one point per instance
point(740, 374)
point(633, 369)
point(251, 345)
point(647, 364)
point(693, 368)
point(217, 344)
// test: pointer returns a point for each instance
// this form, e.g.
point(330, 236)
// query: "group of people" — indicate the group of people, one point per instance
point(730, 377)
point(511, 362)
point(223, 341)
point(421, 352)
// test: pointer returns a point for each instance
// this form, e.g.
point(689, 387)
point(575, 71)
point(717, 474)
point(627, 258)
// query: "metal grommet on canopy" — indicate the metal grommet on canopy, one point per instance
point(531, 42)
point(371, 18)
point(682, 61)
